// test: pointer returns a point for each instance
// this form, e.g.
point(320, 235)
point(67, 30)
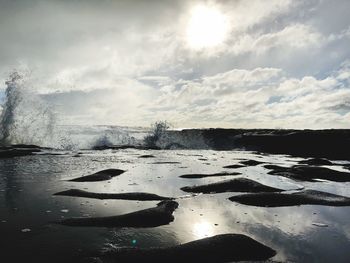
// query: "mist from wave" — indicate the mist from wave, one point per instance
point(26, 118)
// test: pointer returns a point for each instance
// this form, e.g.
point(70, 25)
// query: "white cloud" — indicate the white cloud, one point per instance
point(126, 62)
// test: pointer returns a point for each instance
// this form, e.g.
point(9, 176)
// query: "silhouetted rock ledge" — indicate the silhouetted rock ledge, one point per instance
point(316, 161)
point(103, 175)
point(306, 197)
point(151, 217)
point(18, 150)
point(308, 173)
point(331, 144)
point(218, 249)
point(197, 176)
point(122, 196)
point(234, 185)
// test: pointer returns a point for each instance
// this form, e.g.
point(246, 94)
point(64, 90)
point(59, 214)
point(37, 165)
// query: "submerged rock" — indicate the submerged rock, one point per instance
point(316, 161)
point(309, 173)
point(150, 217)
point(218, 249)
point(234, 185)
point(103, 175)
point(251, 162)
point(305, 197)
point(197, 176)
point(122, 196)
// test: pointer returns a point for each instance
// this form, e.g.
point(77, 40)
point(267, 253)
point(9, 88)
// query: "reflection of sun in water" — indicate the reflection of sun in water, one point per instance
point(203, 229)
point(207, 27)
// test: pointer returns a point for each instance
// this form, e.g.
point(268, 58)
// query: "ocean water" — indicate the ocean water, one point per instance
point(27, 206)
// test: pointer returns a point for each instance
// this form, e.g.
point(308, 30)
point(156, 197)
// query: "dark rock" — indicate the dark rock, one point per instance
point(234, 185)
point(218, 249)
point(147, 156)
point(165, 162)
point(306, 197)
point(308, 173)
point(123, 147)
point(197, 176)
point(17, 150)
point(251, 162)
point(234, 166)
point(316, 161)
point(103, 175)
point(122, 196)
point(151, 217)
point(331, 144)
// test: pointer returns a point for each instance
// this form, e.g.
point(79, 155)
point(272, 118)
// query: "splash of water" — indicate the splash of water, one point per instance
point(25, 117)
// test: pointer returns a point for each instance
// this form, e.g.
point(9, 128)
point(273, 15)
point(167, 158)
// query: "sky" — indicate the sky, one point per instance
point(196, 64)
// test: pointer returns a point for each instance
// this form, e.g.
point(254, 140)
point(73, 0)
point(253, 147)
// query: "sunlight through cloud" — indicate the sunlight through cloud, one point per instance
point(207, 27)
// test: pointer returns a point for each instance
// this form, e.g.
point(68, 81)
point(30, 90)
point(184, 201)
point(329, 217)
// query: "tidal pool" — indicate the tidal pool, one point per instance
point(305, 233)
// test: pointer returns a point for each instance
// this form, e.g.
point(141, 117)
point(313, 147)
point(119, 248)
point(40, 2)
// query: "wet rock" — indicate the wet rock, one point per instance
point(165, 162)
point(234, 166)
point(151, 217)
point(234, 185)
point(147, 156)
point(319, 224)
point(308, 173)
point(218, 249)
point(316, 161)
point(123, 147)
point(18, 150)
point(347, 166)
point(103, 175)
point(305, 197)
point(197, 176)
point(250, 162)
point(122, 196)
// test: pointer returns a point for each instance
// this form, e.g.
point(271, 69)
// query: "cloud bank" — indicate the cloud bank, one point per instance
point(283, 64)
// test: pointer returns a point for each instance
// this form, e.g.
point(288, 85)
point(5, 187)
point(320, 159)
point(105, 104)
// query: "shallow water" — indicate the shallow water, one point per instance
point(27, 184)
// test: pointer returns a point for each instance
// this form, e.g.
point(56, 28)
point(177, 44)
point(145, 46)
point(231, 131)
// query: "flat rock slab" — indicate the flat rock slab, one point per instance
point(121, 196)
point(218, 249)
point(305, 197)
point(234, 185)
point(162, 214)
point(316, 161)
point(234, 166)
point(250, 162)
point(308, 173)
point(197, 176)
point(103, 175)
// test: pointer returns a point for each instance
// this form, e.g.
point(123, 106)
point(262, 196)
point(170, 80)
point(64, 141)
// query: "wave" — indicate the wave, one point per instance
point(25, 117)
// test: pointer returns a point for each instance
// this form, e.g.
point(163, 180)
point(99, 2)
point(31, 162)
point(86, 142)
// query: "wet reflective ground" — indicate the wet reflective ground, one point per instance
point(27, 206)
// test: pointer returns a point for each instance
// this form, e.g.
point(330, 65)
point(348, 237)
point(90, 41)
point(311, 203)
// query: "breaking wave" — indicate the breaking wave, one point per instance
point(27, 118)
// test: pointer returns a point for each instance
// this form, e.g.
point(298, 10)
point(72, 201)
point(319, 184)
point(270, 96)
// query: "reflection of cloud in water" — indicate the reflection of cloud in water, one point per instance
point(288, 230)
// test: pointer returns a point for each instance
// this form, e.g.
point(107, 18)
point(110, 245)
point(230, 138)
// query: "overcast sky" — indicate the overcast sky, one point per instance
point(232, 63)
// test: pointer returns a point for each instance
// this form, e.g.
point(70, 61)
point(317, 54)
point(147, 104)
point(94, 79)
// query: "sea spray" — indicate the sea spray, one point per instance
point(160, 136)
point(25, 117)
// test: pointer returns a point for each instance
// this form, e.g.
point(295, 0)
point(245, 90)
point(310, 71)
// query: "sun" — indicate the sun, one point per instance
point(207, 27)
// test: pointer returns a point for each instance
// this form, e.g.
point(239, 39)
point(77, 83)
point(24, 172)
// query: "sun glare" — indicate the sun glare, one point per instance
point(202, 229)
point(207, 27)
